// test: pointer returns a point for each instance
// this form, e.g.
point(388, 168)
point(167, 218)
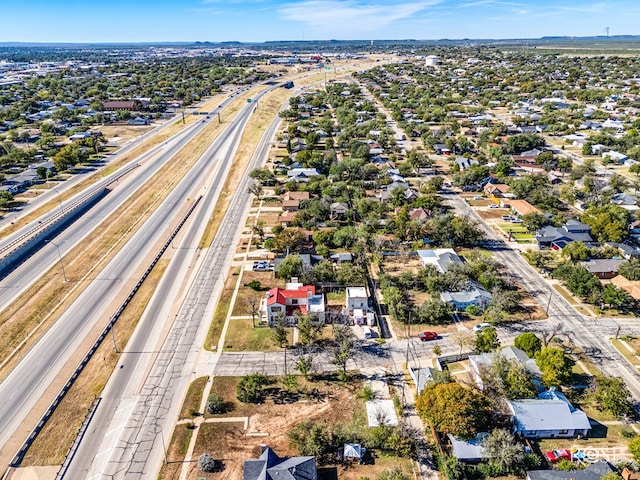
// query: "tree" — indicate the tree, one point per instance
point(630, 269)
point(554, 365)
point(250, 388)
point(608, 222)
point(453, 409)
point(487, 340)
point(256, 190)
point(42, 172)
point(263, 175)
point(308, 331)
point(634, 448)
point(344, 349)
point(435, 312)
point(614, 296)
point(576, 251)
point(304, 365)
point(503, 452)
point(215, 405)
point(280, 331)
point(309, 438)
point(529, 343)
point(511, 378)
point(463, 338)
point(291, 266)
point(613, 396)
point(533, 221)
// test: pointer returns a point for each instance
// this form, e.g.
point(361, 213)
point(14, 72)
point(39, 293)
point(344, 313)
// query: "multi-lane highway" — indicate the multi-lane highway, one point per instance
point(20, 391)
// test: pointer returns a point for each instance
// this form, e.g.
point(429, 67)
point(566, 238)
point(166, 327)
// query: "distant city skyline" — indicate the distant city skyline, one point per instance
point(122, 21)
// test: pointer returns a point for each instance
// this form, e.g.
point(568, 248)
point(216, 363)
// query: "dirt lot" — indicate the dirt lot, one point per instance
point(268, 424)
point(118, 134)
point(493, 213)
point(403, 263)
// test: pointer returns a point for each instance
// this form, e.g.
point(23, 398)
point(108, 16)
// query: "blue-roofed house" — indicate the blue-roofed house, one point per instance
point(551, 415)
point(269, 466)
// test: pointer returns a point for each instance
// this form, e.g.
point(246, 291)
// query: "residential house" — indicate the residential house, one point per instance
point(595, 471)
point(269, 466)
point(603, 268)
point(295, 196)
point(357, 306)
point(129, 105)
point(522, 207)
point(478, 362)
point(468, 451)
point(557, 237)
point(625, 200)
point(341, 257)
point(338, 210)
point(496, 190)
point(441, 149)
point(290, 205)
point(632, 287)
point(139, 121)
point(421, 377)
point(615, 157)
point(419, 214)
point(626, 250)
point(302, 174)
point(439, 258)
point(550, 415)
point(474, 295)
point(294, 298)
point(464, 163)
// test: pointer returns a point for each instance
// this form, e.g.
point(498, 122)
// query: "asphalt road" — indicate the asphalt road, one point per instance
point(140, 403)
point(588, 333)
point(20, 391)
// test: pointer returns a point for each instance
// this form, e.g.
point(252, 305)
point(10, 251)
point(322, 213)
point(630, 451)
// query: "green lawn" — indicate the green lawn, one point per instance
point(241, 336)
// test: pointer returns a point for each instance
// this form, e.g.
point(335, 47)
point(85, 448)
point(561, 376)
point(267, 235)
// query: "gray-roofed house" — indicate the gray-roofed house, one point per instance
point(474, 295)
point(603, 267)
point(550, 415)
point(557, 237)
point(464, 162)
point(625, 200)
point(595, 471)
point(470, 451)
point(440, 258)
point(421, 377)
point(626, 250)
point(269, 466)
point(508, 353)
point(302, 174)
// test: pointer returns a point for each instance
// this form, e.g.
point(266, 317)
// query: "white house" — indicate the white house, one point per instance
point(440, 258)
point(550, 415)
point(294, 298)
point(475, 295)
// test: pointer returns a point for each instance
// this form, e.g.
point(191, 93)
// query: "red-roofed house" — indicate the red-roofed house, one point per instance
point(295, 297)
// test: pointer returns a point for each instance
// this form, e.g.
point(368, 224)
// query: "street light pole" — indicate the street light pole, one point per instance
point(64, 274)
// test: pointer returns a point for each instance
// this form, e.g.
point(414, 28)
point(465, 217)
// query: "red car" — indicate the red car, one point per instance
point(556, 455)
point(424, 336)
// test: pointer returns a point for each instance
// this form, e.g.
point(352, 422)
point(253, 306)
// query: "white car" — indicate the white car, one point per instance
point(480, 326)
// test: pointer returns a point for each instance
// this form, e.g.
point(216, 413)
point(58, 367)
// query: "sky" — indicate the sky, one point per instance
point(101, 21)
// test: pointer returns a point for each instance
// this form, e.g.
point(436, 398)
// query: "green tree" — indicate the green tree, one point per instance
point(280, 331)
point(453, 409)
point(631, 269)
point(291, 266)
point(215, 405)
point(613, 396)
point(250, 388)
point(554, 365)
point(304, 365)
point(576, 251)
point(533, 221)
point(344, 349)
point(608, 222)
point(310, 438)
point(503, 452)
point(308, 331)
point(529, 343)
point(487, 340)
point(634, 448)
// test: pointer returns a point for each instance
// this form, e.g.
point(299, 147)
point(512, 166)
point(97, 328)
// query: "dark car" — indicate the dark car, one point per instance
point(425, 336)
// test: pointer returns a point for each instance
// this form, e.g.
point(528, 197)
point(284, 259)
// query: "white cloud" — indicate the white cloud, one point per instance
point(350, 15)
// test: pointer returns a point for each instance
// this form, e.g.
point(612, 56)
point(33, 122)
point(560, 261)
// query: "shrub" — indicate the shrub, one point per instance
point(366, 394)
point(250, 388)
point(215, 405)
point(207, 464)
point(254, 285)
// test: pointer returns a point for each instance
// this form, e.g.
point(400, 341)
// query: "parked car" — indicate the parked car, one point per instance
point(556, 455)
point(425, 336)
point(480, 326)
point(516, 220)
point(261, 266)
point(507, 217)
point(494, 205)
